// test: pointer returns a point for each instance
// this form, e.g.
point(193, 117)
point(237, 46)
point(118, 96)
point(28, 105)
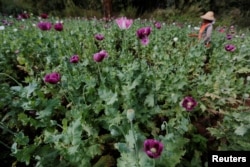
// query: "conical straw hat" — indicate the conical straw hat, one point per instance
point(208, 16)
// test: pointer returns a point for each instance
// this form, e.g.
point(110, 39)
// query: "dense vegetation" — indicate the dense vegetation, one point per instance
point(86, 92)
point(231, 11)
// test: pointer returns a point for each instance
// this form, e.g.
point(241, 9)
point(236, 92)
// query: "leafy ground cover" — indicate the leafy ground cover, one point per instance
point(78, 92)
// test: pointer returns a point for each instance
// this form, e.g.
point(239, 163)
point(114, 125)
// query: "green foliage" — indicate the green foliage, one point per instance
point(81, 121)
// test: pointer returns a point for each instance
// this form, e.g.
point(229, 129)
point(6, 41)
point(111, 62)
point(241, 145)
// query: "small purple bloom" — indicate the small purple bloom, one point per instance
point(229, 36)
point(44, 16)
point(144, 41)
point(230, 47)
point(189, 103)
point(52, 78)
point(58, 26)
point(74, 59)
point(99, 37)
point(44, 26)
point(98, 57)
point(158, 25)
point(124, 23)
point(24, 15)
point(153, 148)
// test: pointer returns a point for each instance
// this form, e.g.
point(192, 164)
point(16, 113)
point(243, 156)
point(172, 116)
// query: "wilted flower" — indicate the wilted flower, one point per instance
point(58, 26)
point(44, 26)
point(52, 78)
point(158, 25)
point(99, 37)
point(44, 16)
point(189, 103)
point(230, 47)
point(153, 148)
point(74, 59)
point(143, 33)
point(98, 57)
point(124, 23)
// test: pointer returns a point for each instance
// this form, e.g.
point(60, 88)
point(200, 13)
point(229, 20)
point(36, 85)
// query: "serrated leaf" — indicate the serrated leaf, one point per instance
point(134, 83)
point(149, 101)
point(108, 96)
point(241, 130)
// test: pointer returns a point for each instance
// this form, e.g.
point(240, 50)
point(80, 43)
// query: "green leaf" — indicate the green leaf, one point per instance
point(241, 130)
point(105, 161)
point(130, 139)
point(108, 96)
point(149, 101)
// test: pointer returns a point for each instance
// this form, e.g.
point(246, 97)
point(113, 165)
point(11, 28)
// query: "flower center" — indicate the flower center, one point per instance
point(153, 150)
point(189, 104)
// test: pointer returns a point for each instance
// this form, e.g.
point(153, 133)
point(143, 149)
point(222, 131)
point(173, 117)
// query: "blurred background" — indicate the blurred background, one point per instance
point(228, 12)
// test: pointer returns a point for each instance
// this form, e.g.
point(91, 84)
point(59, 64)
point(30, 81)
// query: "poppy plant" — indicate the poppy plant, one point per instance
point(158, 25)
point(44, 26)
point(124, 23)
point(98, 57)
point(230, 47)
point(74, 59)
point(44, 16)
point(143, 33)
point(229, 36)
point(58, 26)
point(52, 78)
point(189, 103)
point(153, 148)
point(99, 37)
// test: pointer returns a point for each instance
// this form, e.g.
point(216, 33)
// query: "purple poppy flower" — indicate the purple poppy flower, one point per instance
point(74, 59)
point(124, 23)
point(143, 32)
point(44, 26)
point(229, 36)
point(153, 148)
point(24, 15)
point(44, 16)
point(230, 47)
point(52, 78)
point(98, 57)
point(158, 25)
point(99, 37)
point(144, 41)
point(58, 26)
point(189, 103)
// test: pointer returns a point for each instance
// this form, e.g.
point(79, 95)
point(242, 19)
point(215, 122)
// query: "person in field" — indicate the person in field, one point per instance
point(206, 28)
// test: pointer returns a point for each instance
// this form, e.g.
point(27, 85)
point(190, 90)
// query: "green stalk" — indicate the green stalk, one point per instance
point(4, 144)
point(11, 78)
point(136, 149)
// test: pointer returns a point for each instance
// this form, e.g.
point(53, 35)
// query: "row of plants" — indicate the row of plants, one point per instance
point(123, 92)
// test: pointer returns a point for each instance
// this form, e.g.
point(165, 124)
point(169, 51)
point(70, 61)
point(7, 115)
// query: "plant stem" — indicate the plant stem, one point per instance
point(135, 145)
point(4, 144)
point(11, 78)
point(2, 126)
point(99, 71)
point(118, 128)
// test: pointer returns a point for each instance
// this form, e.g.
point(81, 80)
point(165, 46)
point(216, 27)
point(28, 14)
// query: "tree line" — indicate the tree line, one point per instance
point(109, 8)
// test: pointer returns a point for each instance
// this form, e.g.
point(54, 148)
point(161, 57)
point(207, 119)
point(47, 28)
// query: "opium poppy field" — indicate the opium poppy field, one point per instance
point(79, 92)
